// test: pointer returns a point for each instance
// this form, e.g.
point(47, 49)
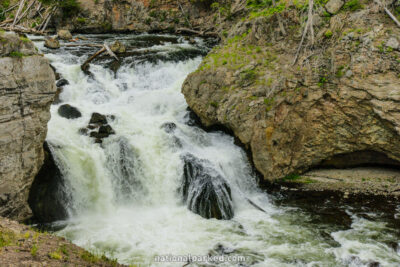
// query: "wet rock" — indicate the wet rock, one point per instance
point(52, 43)
point(204, 191)
point(57, 75)
point(106, 129)
point(333, 6)
point(69, 112)
point(124, 165)
point(83, 131)
point(118, 47)
point(114, 65)
point(64, 35)
point(57, 99)
point(168, 127)
point(98, 118)
point(47, 196)
point(62, 82)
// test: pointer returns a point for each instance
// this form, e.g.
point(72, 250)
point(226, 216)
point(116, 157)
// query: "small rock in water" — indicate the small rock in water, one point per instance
point(69, 112)
point(52, 43)
point(169, 127)
point(64, 35)
point(98, 118)
point(62, 82)
point(118, 47)
point(83, 131)
point(106, 129)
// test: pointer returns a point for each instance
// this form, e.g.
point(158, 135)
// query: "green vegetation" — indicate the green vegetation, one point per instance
point(81, 20)
point(297, 179)
point(17, 54)
point(55, 255)
point(214, 104)
point(92, 258)
point(34, 250)
point(6, 238)
point(352, 5)
point(269, 103)
point(328, 34)
point(24, 39)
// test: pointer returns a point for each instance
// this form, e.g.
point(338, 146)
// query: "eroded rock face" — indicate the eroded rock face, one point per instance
point(27, 88)
point(342, 97)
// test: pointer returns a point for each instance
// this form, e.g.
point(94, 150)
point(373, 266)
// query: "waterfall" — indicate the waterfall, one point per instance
point(147, 190)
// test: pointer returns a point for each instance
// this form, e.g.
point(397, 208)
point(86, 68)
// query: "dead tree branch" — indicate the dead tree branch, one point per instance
point(307, 28)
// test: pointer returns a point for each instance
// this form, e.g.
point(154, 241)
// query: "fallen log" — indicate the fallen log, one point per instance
point(194, 32)
point(21, 5)
point(85, 65)
point(79, 45)
point(111, 53)
point(26, 11)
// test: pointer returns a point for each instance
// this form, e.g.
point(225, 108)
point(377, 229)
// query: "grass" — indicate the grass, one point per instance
point(17, 54)
point(296, 178)
point(55, 255)
point(6, 238)
point(34, 250)
point(353, 5)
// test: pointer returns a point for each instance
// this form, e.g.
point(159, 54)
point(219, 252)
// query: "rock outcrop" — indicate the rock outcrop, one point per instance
point(338, 105)
point(27, 88)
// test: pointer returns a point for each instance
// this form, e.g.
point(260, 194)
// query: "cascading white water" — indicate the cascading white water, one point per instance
point(135, 213)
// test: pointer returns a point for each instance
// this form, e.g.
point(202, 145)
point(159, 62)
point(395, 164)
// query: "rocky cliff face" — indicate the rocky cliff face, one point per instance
point(337, 106)
point(136, 15)
point(27, 88)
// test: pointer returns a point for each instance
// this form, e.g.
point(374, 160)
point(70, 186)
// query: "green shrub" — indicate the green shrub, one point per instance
point(353, 5)
point(16, 54)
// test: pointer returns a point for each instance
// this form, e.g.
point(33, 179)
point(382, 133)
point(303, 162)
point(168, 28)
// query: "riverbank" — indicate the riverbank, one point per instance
point(21, 245)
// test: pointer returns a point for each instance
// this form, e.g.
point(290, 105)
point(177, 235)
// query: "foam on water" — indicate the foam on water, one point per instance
point(154, 221)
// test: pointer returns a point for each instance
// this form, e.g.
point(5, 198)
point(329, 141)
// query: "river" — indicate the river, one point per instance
point(138, 215)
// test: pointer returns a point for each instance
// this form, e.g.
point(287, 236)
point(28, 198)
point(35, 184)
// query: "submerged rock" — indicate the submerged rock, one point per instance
point(205, 192)
point(62, 82)
point(69, 112)
point(168, 127)
point(98, 118)
point(124, 165)
point(47, 197)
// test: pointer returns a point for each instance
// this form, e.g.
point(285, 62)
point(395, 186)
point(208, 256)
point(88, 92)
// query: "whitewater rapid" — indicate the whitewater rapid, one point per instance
point(134, 226)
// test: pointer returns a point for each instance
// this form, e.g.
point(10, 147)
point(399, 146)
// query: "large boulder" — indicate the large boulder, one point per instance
point(47, 197)
point(27, 89)
point(341, 98)
point(205, 192)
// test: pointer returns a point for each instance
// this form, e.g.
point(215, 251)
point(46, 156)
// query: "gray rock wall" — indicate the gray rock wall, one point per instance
point(27, 89)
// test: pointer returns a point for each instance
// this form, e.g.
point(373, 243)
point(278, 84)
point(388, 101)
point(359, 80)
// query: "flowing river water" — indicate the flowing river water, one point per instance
point(136, 218)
